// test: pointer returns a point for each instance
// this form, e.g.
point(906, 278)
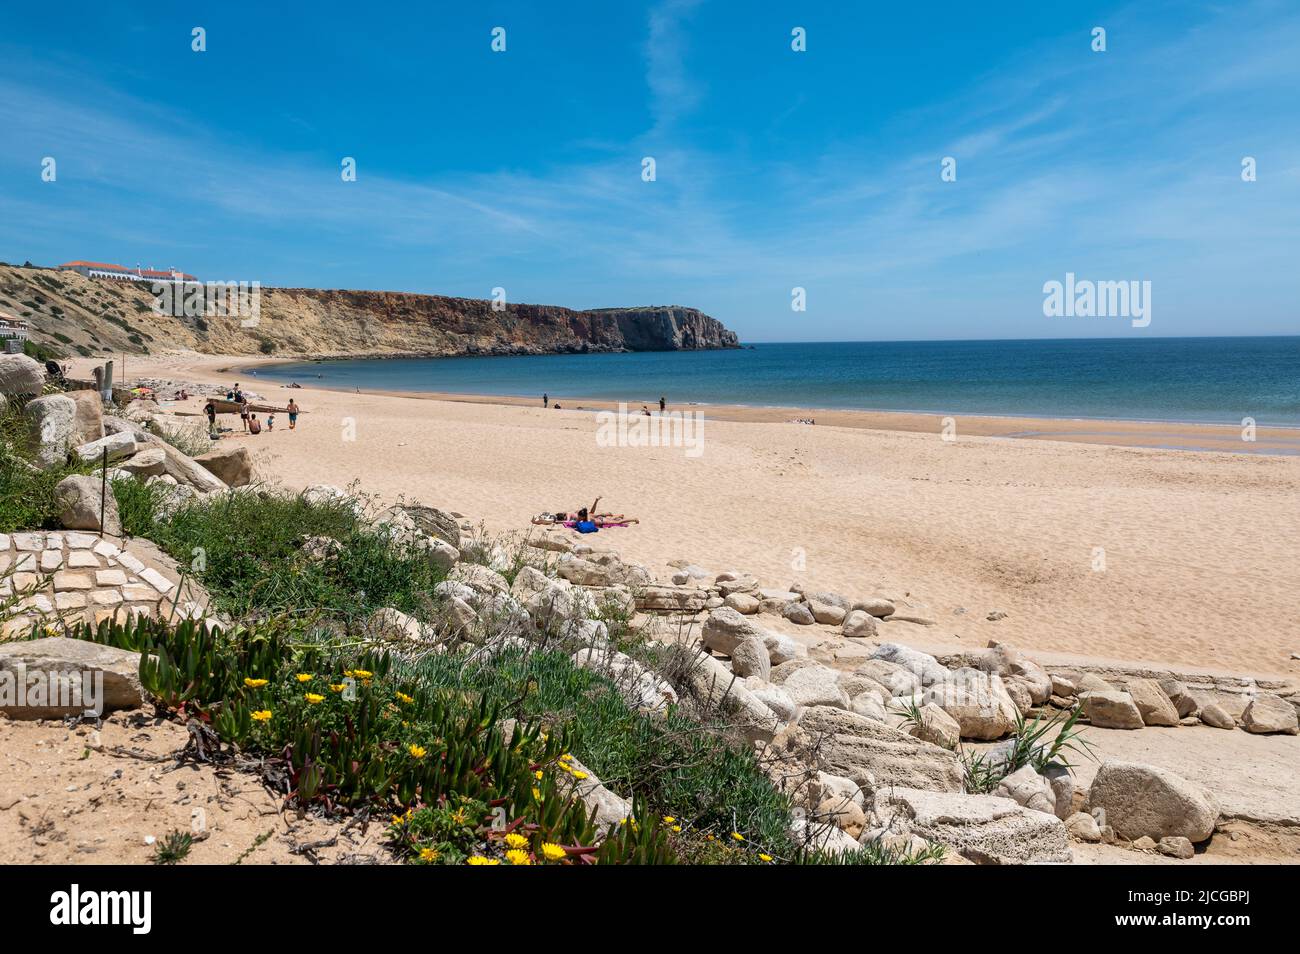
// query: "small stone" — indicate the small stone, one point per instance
point(82, 559)
point(66, 580)
point(1084, 827)
point(70, 600)
point(51, 560)
point(1176, 847)
point(1215, 716)
point(110, 578)
point(1146, 844)
point(106, 597)
point(156, 580)
point(1270, 714)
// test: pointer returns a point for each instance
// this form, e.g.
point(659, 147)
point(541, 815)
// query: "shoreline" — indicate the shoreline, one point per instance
point(1201, 550)
point(1185, 436)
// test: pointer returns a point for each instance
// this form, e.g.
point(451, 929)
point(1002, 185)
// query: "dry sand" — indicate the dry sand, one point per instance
point(1127, 552)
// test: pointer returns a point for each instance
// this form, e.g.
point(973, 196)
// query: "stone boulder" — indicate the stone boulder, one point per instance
point(658, 598)
point(230, 463)
point(872, 754)
point(977, 701)
point(714, 688)
point(1026, 787)
point(743, 603)
point(726, 628)
point(1215, 716)
point(876, 606)
point(798, 613)
point(1270, 714)
point(78, 500)
point(924, 666)
point(816, 686)
point(51, 423)
point(828, 614)
point(640, 688)
point(986, 829)
point(936, 727)
point(750, 658)
point(1111, 709)
point(150, 462)
point(899, 681)
point(859, 624)
point(187, 472)
point(63, 664)
point(89, 422)
point(118, 446)
point(1142, 800)
point(20, 376)
point(1155, 707)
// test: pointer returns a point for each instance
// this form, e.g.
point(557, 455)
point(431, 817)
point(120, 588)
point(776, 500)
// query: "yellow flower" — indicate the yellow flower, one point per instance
point(417, 751)
point(566, 757)
point(764, 857)
point(361, 673)
point(428, 854)
point(538, 775)
point(738, 836)
point(553, 852)
point(480, 860)
point(669, 819)
point(517, 857)
point(313, 698)
point(579, 775)
point(515, 840)
point(337, 687)
point(403, 697)
point(262, 715)
point(677, 828)
point(537, 794)
point(254, 683)
point(305, 677)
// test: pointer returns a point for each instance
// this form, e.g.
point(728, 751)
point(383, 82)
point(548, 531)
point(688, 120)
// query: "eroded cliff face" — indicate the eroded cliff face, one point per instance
point(81, 315)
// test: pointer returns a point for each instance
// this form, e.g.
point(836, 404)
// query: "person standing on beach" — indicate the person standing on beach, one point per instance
point(243, 415)
point(546, 399)
point(293, 414)
point(662, 404)
point(211, 411)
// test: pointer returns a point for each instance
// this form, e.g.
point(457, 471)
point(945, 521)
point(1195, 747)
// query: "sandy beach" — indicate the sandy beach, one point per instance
point(1161, 542)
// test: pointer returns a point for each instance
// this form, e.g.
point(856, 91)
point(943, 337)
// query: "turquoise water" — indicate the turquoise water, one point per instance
point(1219, 380)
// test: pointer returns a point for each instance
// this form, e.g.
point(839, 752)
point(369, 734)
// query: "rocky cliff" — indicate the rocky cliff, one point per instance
point(77, 315)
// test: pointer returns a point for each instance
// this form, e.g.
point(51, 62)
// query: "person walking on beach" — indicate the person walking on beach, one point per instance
point(546, 399)
point(662, 404)
point(293, 414)
point(211, 411)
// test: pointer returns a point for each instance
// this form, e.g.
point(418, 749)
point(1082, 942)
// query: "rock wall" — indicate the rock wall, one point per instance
point(77, 315)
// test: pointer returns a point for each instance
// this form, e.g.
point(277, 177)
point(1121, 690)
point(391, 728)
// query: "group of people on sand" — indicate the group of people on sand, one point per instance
point(585, 519)
point(247, 418)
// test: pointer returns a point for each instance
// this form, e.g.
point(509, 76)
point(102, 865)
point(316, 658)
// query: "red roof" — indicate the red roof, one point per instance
point(146, 273)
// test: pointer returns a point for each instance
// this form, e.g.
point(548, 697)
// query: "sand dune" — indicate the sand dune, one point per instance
point(1131, 553)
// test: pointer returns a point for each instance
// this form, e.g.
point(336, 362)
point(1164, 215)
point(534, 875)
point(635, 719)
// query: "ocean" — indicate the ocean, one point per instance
point(1203, 380)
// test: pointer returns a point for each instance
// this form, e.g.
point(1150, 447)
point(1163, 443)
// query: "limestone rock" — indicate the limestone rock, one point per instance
point(1155, 707)
point(20, 376)
point(743, 603)
point(726, 628)
point(671, 599)
point(1268, 714)
point(816, 686)
point(799, 614)
point(828, 614)
point(874, 606)
point(88, 424)
point(871, 753)
point(1084, 827)
point(1214, 715)
point(1143, 800)
point(984, 828)
point(1026, 787)
point(899, 681)
point(149, 462)
point(1176, 847)
point(922, 665)
point(119, 446)
point(1093, 683)
point(230, 463)
point(50, 422)
point(859, 624)
point(977, 701)
point(1111, 709)
point(64, 660)
point(749, 657)
point(937, 727)
point(78, 499)
point(639, 687)
point(713, 687)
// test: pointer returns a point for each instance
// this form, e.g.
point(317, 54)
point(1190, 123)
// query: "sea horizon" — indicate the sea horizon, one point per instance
point(1187, 380)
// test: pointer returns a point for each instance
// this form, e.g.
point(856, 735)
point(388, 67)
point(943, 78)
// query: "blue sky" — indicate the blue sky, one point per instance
point(775, 169)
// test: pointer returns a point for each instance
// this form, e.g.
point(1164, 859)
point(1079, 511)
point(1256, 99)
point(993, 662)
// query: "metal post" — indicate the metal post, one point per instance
point(103, 494)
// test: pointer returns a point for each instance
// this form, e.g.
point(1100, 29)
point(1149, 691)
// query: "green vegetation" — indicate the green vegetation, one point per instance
point(1028, 745)
point(26, 493)
point(174, 847)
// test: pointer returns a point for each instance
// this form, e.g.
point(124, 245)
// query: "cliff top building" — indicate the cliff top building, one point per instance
point(123, 274)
